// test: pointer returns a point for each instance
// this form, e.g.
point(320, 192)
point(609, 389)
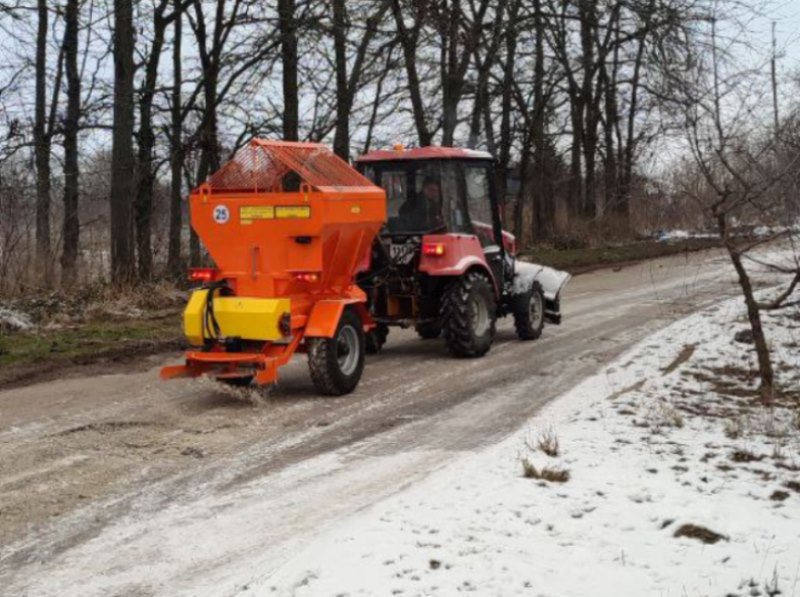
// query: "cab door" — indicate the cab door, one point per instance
point(478, 191)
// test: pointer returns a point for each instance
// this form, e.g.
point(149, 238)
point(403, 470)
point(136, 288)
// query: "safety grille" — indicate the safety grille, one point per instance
point(262, 166)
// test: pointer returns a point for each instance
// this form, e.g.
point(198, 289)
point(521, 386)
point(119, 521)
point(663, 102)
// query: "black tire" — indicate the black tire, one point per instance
point(465, 334)
point(376, 338)
point(331, 370)
point(236, 382)
point(429, 330)
point(528, 309)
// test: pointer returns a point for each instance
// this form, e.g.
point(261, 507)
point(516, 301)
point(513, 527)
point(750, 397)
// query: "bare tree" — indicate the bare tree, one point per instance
point(288, 28)
point(143, 205)
point(176, 140)
point(409, 40)
point(742, 182)
point(347, 83)
point(71, 225)
point(122, 160)
point(43, 130)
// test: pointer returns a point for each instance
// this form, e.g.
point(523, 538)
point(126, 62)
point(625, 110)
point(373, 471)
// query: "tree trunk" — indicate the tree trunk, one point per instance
point(176, 157)
point(626, 175)
point(71, 227)
point(42, 148)
point(408, 41)
point(451, 85)
point(122, 157)
point(506, 107)
point(341, 139)
point(288, 30)
point(543, 208)
point(765, 371)
point(143, 206)
point(576, 196)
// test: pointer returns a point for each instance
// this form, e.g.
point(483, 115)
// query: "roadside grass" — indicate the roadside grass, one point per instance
point(547, 473)
point(89, 325)
point(84, 343)
point(584, 259)
point(547, 442)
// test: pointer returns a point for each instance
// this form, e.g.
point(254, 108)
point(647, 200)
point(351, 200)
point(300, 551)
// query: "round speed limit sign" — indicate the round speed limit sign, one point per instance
point(221, 214)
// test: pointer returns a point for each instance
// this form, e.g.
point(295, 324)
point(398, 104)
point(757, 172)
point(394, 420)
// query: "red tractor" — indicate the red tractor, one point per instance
point(443, 263)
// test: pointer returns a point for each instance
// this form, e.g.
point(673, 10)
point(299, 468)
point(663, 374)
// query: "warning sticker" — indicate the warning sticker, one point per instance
point(256, 212)
point(287, 212)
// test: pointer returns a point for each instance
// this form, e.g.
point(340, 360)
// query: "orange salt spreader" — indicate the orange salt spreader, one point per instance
point(288, 225)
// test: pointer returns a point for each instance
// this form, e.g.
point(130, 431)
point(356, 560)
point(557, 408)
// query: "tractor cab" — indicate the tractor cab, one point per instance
point(440, 190)
point(436, 189)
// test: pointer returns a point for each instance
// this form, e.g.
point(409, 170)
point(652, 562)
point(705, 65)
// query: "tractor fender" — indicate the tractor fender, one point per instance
point(462, 252)
point(325, 316)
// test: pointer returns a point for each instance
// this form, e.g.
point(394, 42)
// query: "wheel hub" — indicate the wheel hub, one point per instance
point(536, 309)
point(479, 316)
point(347, 349)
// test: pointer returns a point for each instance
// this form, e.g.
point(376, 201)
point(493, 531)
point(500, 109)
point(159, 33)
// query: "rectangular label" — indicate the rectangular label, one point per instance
point(256, 212)
point(286, 212)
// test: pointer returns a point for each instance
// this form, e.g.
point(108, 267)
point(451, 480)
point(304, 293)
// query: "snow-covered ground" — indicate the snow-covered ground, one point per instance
point(669, 440)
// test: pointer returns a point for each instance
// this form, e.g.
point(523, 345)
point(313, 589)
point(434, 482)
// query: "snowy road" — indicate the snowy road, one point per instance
point(120, 484)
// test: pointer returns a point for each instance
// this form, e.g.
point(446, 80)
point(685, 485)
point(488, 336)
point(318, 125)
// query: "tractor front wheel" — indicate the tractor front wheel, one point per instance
point(469, 315)
point(336, 363)
point(528, 309)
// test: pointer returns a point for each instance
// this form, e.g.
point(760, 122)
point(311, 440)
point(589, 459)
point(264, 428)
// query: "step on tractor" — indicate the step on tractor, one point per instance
point(287, 225)
point(442, 263)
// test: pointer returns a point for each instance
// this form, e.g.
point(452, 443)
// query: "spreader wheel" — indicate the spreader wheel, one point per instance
point(376, 338)
point(336, 363)
point(528, 309)
point(469, 315)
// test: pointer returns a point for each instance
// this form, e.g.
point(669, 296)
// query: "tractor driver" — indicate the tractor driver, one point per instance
point(424, 210)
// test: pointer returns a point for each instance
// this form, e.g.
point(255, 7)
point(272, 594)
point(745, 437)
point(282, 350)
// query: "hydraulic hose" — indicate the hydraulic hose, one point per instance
point(210, 323)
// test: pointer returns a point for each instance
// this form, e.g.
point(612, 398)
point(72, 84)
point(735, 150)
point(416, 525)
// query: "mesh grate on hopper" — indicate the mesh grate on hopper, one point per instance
point(262, 165)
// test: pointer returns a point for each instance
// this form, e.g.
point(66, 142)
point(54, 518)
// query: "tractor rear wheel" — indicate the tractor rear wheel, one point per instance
point(469, 315)
point(528, 309)
point(376, 338)
point(336, 363)
point(429, 330)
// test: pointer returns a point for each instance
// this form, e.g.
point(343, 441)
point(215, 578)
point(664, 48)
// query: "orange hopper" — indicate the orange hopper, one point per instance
point(287, 225)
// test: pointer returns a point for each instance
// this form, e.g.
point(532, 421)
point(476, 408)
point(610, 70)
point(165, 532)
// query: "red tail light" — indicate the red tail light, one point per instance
point(306, 276)
point(203, 274)
point(433, 249)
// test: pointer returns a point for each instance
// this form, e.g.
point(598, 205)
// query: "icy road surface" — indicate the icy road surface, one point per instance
point(123, 485)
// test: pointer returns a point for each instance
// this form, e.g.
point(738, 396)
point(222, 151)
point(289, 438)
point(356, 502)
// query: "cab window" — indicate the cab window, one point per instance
point(477, 183)
point(394, 182)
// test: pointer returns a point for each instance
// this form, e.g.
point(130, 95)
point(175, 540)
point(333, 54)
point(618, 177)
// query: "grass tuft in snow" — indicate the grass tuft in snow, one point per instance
point(733, 428)
point(701, 533)
point(663, 414)
point(552, 474)
point(547, 442)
